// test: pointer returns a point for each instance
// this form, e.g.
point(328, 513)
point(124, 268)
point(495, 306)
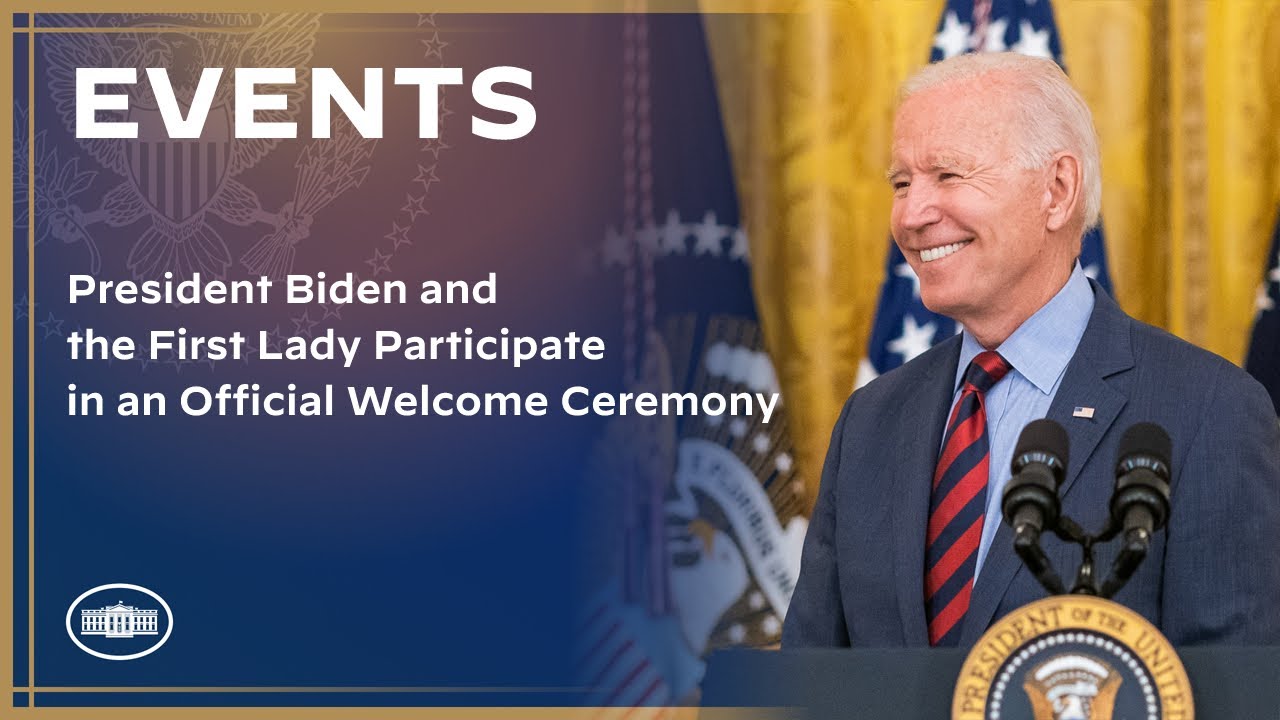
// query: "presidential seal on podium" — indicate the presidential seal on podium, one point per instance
point(1072, 657)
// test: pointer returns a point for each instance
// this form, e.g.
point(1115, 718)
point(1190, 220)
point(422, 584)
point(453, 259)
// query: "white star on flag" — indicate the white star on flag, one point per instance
point(1262, 301)
point(760, 443)
point(1032, 42)
point(914, 340)
point(953, 38)
point(782, 463)
point(994, 42)
point(770, 625)
point(708, 235)
point(904, 270)
point(673, 234)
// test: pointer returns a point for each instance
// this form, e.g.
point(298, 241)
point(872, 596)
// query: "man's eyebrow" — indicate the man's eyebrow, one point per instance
point(943, 162)
point(947, 162)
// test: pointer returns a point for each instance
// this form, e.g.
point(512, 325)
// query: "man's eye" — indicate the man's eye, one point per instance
point(901, 185)
point(947, 176)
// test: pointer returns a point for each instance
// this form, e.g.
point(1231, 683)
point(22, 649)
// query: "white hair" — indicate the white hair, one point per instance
point(1053, 116)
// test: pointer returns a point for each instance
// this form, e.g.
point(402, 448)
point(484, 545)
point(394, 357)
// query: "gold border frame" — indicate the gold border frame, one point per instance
point(7, 322)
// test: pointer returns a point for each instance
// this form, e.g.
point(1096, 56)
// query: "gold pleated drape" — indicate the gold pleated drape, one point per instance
point(1186, 97)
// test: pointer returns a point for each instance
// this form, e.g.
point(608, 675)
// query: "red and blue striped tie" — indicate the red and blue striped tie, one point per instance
point(959, 503)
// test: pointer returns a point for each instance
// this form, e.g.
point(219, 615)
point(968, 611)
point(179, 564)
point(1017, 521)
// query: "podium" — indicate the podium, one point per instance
point(917, 684)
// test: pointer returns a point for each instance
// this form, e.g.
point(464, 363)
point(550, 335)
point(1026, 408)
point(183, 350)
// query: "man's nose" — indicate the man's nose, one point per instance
point(918, 207)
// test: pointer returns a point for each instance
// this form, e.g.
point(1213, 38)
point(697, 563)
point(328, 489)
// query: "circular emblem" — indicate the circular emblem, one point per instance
point(119, 621)
point(1072, 657)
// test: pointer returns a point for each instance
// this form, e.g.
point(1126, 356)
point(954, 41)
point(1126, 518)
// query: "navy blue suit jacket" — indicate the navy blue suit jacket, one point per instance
point(1212, 576)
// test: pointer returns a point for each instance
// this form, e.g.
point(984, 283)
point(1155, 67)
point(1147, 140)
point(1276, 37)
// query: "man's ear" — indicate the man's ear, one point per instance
point(1065, 192)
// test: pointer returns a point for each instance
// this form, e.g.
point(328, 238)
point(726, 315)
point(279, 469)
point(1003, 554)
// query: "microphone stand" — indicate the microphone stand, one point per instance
point(1137, 542)
point(1026, 542)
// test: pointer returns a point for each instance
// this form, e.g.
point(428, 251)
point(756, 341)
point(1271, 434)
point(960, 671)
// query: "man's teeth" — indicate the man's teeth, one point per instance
point(940, 252)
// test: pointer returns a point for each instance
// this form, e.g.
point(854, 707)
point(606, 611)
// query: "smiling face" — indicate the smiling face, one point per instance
point(977, 228)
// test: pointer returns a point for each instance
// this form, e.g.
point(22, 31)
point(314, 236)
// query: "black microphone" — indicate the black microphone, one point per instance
point(1030, 501)
point(1140, 503)
point(1141, 499)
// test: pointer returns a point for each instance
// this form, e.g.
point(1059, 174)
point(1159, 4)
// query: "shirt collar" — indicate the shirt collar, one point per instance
point(1042, 346)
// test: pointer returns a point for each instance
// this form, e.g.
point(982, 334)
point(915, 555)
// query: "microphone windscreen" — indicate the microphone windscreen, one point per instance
point(1045, 436)
point(1146, 439)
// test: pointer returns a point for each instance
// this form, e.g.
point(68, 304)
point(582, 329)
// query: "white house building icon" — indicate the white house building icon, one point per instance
point(119, 621)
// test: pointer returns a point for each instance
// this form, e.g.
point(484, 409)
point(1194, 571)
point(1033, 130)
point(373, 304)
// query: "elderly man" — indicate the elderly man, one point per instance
point(995, 176)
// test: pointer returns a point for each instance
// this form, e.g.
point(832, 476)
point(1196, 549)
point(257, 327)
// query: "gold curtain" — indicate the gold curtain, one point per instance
point(1186, 97)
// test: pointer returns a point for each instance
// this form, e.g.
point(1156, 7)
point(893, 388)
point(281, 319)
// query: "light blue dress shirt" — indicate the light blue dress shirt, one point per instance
point(1039, 351)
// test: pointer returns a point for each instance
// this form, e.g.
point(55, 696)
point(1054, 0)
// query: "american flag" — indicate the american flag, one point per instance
point(904, 327)
point(1264, 347)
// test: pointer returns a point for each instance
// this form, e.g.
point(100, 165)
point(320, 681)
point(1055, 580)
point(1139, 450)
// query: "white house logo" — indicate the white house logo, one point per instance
point(119, 621)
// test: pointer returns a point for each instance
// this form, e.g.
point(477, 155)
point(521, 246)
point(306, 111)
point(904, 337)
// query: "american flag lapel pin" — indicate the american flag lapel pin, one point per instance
point(1082, 412)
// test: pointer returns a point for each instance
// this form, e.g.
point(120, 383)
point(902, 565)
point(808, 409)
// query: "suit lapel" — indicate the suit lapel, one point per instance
point(1104, 350)
point(913, 460)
